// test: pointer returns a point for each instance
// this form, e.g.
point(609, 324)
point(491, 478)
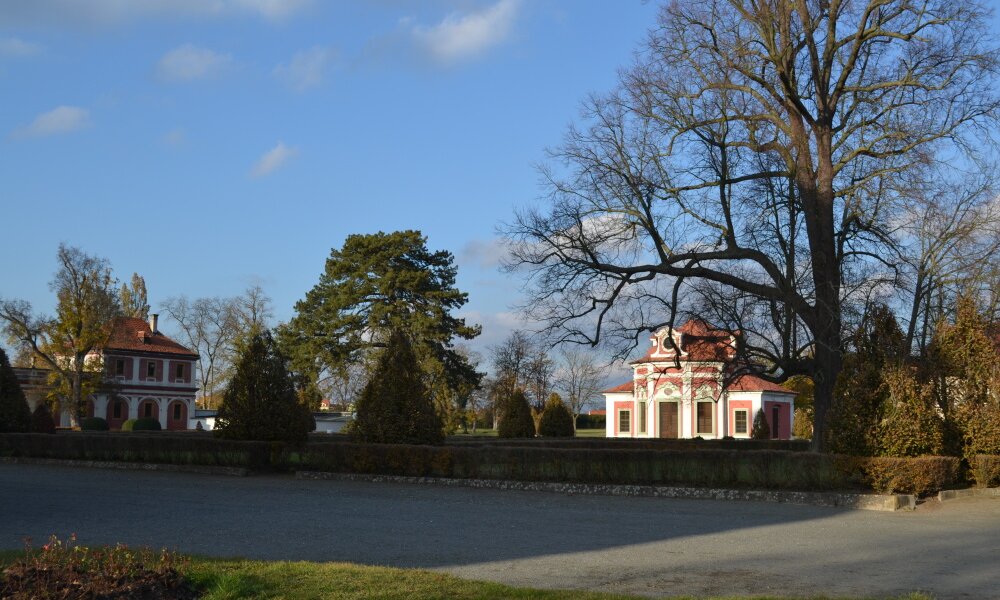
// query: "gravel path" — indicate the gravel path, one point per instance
point(649, 546)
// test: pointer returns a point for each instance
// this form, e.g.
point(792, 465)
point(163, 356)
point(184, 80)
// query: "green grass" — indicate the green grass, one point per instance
point(229, 579)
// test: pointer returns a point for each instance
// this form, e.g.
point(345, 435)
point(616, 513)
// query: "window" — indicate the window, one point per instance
point(151, 369)
point(740, 422)
point(147, 410)
point(117, 410)
point(705, 410)
point(179, 371)
point(775, 421)
point(642, 417)
point(177, 412)
point(120, 367)
point(624, 421)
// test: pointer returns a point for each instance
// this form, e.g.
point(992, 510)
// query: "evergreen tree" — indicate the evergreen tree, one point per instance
point(41, 420)
point(515, 417)
point(860, 397)
point(910, 425)
point(556, 419)
point(760, 430)
point(261, 402)
point(374, 285)
point(15, 416)
point(395, 406)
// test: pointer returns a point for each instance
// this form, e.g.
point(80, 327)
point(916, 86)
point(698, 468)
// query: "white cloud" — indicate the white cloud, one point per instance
point(12, 46)
point(306, 69)
point(462, 37)
point(189, 62)
point(484, 254)
point(273, 159)
point(62, 119)
point(75, 13)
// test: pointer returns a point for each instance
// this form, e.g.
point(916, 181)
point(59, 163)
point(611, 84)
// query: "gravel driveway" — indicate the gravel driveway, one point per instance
point(647, 546)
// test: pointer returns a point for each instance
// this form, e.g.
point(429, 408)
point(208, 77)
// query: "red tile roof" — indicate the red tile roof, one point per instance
point(625, 387)
point(134, 335)
point(752, 383)
point(700, 341)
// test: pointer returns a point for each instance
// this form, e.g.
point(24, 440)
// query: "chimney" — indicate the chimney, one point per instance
point(153, 318)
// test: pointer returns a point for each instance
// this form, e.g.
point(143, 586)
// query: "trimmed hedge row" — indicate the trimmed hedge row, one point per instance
point(704, 467)
point(138, 447)
point(635, 443)
point(985, 470)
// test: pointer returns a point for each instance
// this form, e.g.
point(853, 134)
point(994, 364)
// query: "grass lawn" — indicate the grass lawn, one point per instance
point(224, 579)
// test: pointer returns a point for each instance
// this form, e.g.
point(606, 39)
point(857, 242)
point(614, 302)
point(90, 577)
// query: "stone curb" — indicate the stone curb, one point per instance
point(969, 493)
point(879, 502)
point(127, 466)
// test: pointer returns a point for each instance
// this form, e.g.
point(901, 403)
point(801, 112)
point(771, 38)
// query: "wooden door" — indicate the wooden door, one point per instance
point(668, 420)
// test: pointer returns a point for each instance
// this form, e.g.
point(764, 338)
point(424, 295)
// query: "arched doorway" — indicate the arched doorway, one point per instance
point(117, 412)
point(149, 409)
point(177, 416)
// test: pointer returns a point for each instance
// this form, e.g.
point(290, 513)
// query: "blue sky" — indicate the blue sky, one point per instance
point(212, 144)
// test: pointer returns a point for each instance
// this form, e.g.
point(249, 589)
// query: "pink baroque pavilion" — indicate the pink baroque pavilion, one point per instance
point(678, 390)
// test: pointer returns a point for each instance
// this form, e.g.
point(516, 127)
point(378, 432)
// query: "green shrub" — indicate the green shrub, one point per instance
point(128, 425)
point(146, 424)
point(15, 416)
point(909, 424)
point(93, 424)
point(260, 402)
point(893, 475)
point(515, 417)
point(41, 420)
point(985, 470)
point(556, 420)
point(803, 427)
point(395, 406)
point(760, 430)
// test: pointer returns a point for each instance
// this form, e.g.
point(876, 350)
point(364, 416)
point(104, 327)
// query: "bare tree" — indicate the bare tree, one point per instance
point(829, 101)
point(209, 327)
point(87, 302)
point(581, 379)
point(538, 376)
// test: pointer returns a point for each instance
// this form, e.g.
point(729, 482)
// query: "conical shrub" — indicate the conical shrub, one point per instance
point(15, 416)
point(556, 419)
point(515, 417)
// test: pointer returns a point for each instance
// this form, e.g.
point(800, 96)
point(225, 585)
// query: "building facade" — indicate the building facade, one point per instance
point(147, 373)
point(682, 388)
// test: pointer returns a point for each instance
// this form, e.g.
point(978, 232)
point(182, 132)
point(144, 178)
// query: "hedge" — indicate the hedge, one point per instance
point(921, 476)
point(985, 470)
point(636, 443)
point(138, 447)
point(704, 467)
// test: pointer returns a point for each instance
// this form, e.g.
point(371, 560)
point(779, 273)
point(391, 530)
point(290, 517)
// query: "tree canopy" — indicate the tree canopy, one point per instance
point(376, 284)
point(753, 168)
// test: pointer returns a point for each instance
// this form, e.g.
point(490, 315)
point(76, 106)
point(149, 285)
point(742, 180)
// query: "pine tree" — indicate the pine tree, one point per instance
point(15, 416)
point(261, 402)
point(760, 430)
point(395, 406)
point(41, 420)
point(556, 419)
point(515, 417)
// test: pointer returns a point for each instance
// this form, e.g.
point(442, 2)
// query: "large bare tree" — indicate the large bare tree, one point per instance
point(86, 304)
point(827, 102)
point(581, 377)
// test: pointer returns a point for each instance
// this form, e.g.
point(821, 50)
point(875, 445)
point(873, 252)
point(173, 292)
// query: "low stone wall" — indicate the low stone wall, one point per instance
point(880, 502)
point(944, 495)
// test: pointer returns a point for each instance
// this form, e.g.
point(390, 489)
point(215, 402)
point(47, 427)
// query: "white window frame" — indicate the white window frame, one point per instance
point(627, 419)
point(746, 412)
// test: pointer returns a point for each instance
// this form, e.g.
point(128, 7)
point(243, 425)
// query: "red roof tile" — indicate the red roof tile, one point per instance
point(752, 383)
point(134, 335)
point(625, 387)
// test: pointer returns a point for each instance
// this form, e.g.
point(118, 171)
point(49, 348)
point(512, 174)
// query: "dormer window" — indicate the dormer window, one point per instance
point(151, 369)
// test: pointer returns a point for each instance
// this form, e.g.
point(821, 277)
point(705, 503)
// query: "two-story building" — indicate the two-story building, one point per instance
point(148, 375)
point(681, 388)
